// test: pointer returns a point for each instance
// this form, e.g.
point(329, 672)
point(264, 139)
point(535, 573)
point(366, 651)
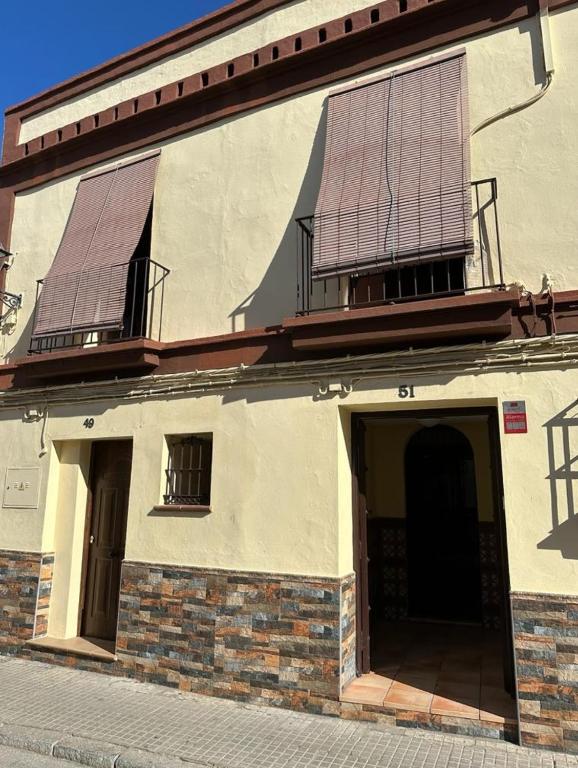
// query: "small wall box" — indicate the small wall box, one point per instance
point(21, 487)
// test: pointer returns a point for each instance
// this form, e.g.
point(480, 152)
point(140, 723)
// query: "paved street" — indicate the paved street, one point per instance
point(56, 710)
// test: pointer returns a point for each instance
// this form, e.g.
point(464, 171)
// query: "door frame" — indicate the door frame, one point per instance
point(88, 525)
point(86, 539)
point(360, 559)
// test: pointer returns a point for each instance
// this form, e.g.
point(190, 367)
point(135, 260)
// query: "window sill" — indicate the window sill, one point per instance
point(198, 509)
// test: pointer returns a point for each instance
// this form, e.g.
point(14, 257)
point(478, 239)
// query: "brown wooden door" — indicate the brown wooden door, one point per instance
point(110, 481)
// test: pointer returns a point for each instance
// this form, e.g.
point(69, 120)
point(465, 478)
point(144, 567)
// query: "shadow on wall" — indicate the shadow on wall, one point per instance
point(278, 288)
point(20, 341)
point(531, 27)
point(562, 436)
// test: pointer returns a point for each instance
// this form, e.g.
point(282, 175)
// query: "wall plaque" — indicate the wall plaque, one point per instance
point(515, 420)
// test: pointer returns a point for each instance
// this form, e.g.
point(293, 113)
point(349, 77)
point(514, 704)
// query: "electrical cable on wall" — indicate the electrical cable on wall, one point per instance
point(43, 449)
point(544, 21)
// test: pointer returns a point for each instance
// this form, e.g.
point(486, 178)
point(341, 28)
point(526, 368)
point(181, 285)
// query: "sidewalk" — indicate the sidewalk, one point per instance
point(100, 720)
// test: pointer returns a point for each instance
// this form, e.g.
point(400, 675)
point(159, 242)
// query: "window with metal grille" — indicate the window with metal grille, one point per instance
point(435, 278)
point(189, 470)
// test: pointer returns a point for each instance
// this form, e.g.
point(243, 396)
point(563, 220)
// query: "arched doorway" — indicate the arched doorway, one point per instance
point(443, 549)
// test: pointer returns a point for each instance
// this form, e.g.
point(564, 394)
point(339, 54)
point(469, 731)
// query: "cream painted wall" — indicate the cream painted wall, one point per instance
point(64, 534)
point(22, 529)
point(293, 18)
point(227, 196)
point(385, 451)
point(281, 486)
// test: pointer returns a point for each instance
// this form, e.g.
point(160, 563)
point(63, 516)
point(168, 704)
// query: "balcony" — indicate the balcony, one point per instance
point(456, 297)
point(398, 283)
point(132, 291)
point(117, 318)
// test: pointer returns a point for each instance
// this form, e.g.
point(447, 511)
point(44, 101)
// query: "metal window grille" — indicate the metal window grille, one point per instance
point(416, 281)
point(189, 470)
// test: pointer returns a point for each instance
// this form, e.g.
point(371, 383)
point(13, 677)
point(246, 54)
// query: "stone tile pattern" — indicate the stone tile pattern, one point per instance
point(406, 718)
point(19, 574)
point(260, 638)
point(546, 650)
point(255, 637)
point(43, 596)
point(348, 664)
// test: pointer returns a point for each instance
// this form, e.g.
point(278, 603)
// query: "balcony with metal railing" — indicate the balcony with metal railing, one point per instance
point(426, 298)
point(403, 281)
point(112, 303)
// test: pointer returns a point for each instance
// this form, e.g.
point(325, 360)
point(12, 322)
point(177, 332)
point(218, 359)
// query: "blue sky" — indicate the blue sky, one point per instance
point(45, 42)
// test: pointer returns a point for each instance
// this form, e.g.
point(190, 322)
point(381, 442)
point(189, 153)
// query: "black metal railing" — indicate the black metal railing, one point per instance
point(142, 305)
point(401, 282)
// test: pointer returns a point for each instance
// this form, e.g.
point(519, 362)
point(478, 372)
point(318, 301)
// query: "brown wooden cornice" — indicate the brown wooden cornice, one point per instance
point(488, 316)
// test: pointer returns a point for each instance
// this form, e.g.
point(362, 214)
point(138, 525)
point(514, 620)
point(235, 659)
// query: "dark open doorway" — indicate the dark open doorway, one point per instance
point(433, 614)
point(443, 539)
point(105, 537)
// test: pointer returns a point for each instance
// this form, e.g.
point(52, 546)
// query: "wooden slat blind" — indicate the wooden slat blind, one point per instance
point(396, 176)
point(85, 288)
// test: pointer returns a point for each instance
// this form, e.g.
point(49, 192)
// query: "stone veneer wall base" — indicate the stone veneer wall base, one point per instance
point(286, 641)
point(19, 581)
point(546, 651)
point(266, 638)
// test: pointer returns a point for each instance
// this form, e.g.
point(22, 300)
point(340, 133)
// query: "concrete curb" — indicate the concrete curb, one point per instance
point(95, 754)
point(36, 740)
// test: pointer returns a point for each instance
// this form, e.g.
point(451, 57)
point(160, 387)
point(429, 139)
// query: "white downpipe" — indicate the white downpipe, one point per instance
point(546, 31)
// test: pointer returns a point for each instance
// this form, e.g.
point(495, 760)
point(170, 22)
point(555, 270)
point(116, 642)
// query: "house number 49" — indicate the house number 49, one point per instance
point(405, 391)
point(88, 423)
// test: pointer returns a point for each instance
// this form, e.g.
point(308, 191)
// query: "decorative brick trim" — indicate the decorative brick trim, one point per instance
point(353, 44)
point(546, 651)
point(232, 15)
point(19, 578)
point(223, 19)
point(43, 596)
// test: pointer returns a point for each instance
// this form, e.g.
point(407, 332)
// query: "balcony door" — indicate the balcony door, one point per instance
point(106, 534)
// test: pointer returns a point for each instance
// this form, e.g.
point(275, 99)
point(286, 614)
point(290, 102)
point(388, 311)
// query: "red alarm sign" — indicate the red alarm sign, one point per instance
point(515, 420)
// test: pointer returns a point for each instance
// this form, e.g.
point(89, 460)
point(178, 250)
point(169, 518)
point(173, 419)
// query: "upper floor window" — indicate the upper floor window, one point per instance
point(98, 285)
point(396, 177)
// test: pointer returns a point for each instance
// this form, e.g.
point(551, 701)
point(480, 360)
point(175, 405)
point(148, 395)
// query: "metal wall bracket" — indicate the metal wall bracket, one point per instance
point(12, 301)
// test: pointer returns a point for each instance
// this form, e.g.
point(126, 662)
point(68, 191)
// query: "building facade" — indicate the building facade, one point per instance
point(289, 337)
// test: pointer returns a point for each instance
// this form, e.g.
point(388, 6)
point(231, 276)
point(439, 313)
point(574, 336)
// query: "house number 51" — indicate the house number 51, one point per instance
point(405, 391)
